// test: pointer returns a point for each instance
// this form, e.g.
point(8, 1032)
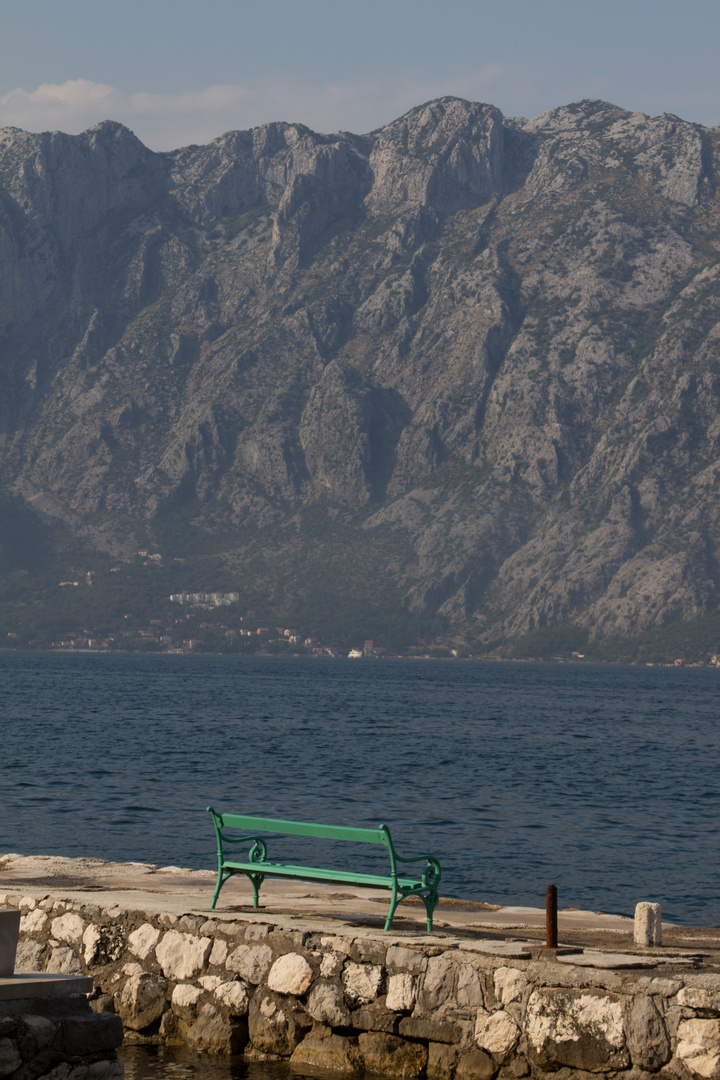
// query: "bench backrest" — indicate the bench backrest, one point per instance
point(381, 835)
point(254, 825)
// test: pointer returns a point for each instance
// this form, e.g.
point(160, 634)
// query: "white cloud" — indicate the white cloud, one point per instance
point(166, 121)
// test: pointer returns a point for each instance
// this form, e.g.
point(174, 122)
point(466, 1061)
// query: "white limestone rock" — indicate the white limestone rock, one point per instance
point(581, 1029)
point(693, 997)
point(184, 1000)
point(103, 944)
point(337, 944)
point(331, 965)
point(234, 997)
point(447, 155)
point(91, 941)
point(218, 956)
point(290, 974)
point(362, 982)
point(143, 940)
point(401, 992)
point(33, 922)
point(182, 956)
point(251, 962)
point(326, 1005)
point(510, 984)
point(64, 961)
point(497, 1033)
point(141, 1001)
point(68, 928)
point(29, 955)
point(698, 1047)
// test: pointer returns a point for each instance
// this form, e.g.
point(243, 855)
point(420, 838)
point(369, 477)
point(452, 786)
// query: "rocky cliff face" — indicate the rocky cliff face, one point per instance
point(468, 358)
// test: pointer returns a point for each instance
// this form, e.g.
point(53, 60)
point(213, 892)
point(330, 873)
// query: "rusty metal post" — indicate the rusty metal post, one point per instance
point(551, 933)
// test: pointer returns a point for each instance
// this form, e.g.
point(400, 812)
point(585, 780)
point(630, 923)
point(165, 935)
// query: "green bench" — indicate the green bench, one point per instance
point(258, 866)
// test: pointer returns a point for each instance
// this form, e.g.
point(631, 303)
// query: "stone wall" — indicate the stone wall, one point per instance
point(58, 1039)
point(394, 1005)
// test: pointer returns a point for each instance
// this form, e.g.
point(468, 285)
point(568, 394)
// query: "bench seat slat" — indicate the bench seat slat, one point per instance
point(315, 873)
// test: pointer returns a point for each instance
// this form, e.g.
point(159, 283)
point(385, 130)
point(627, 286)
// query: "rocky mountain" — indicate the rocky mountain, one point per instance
point(465, 362)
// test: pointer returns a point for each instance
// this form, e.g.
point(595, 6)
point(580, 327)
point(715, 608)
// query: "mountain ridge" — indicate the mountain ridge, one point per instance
point(484, 351)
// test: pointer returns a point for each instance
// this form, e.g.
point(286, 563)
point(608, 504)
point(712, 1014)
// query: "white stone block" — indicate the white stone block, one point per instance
point(91, 940)
point(510, 984)
point(33, 922)
point(143, 940)
point(401, 993)
point(218, 956)
point(694, 998)
point(362, 982)
point(68, 928)
point(326, 1005)
point(184, 1000)
point(290, 974)
point(497, 1033)
point(698, 1047)
point(331, 965)
point(648, 924)
point(186, 994)
point(141, 1000)
point(251, 962)
point(182, 956)
point(233, 996)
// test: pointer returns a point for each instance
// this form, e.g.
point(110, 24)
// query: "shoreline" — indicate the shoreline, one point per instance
point(376, 659)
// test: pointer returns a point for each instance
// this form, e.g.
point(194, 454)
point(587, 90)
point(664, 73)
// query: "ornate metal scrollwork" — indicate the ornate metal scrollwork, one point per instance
point(431, 874)
point(258, 852)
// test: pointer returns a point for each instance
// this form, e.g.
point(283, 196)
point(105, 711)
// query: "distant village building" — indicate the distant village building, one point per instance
point(205, 599)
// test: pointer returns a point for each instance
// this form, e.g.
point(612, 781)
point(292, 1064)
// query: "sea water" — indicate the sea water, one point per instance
point(599, 779)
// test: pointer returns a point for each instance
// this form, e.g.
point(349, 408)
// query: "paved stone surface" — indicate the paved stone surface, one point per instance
point(307, 908)
point(501, 948)
point(609, 960)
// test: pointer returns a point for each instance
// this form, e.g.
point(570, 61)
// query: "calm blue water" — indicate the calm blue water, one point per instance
point(602, 780)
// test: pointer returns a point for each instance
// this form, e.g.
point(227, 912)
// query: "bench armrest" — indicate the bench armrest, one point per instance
point(431, 873)
point(258, 851)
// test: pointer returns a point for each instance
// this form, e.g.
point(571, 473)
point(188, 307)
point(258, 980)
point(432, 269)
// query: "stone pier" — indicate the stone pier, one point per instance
point(311, 979)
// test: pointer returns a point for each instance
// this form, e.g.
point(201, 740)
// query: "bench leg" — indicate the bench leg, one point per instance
point(256, 881)
point(222, 878)
point(430, 902)
point(394, 901)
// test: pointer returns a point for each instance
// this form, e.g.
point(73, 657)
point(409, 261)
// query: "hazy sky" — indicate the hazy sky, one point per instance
point(178, 72)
